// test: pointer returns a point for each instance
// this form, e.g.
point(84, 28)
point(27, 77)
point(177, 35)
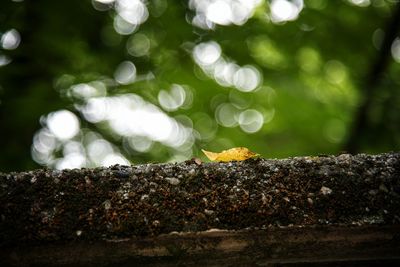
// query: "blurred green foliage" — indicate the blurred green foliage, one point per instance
point(280, 86)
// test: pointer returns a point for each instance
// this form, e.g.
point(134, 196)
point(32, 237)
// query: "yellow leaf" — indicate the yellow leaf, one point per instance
point(237, 153)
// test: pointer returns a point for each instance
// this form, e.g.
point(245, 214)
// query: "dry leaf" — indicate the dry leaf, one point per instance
point(237, 153)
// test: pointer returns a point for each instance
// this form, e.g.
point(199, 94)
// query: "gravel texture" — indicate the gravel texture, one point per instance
point(44, 206)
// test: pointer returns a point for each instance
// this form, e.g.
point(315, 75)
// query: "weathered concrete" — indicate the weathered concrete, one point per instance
point(286, 245)
point(282, 211)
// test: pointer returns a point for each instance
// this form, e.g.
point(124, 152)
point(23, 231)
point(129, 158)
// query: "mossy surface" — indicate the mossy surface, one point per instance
point(44, 206)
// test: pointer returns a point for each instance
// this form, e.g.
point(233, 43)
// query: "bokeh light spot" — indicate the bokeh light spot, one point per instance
point(4, 60)
point(105, 1)
point(334, 130)
point(123, 27)
point(173, 99)
point(247, 79)
point(138, 45)
point(266, 52)
point(222, 12)
point(98, 149)
point(133, 11)
point(251, 120)
point(71, 161)
point(129, 115)
point(73, 147)
point(284, 10)
point(219, 12)
point(377, 38)
point(125, 73)
point(309, 59)
point(226, 115)
point(44, 141)
point(335, 71)
point(63, 124)
point(10, 40)
point(207, 53)
point(396, 49)
point(102, 5)
point(224, 72)
point(140, 143)
point(88, 90)
point(361, 3)
point(95, 110)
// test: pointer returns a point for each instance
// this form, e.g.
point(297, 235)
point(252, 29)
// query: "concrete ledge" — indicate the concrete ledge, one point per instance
point(304, 209)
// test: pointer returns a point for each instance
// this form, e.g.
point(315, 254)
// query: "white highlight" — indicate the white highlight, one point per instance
point(247, 78)
point(360, 3)
point(123, 27)
point(10, 40)
point(125, 73)
point(207, 53)
point(251, 120)
point(105, 1)
point(63, 124)
point(129, 115)
point(88, 90)
point(173, 99)
point(284, 10)
point(222, 12)
point(132, 11)
point(226, 114)
point(396, 49)
point(225, 72)
point(138, 45)
point(4, 60)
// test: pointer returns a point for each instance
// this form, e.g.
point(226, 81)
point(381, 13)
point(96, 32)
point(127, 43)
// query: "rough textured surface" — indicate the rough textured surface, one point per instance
point(370, 245)
point(147, 200)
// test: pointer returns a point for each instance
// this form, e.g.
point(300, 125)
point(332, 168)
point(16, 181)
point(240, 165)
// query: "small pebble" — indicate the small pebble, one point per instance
point(208, 212)
point(383, 188)
point(107, 204)
point(325, 190)
point(197, 161)
point(173, 181)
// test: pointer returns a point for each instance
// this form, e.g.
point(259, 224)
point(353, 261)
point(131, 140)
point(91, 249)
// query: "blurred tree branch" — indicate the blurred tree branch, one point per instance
point(360, 123)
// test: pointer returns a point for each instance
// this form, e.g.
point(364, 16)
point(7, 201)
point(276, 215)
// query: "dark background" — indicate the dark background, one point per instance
point(328, 80)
